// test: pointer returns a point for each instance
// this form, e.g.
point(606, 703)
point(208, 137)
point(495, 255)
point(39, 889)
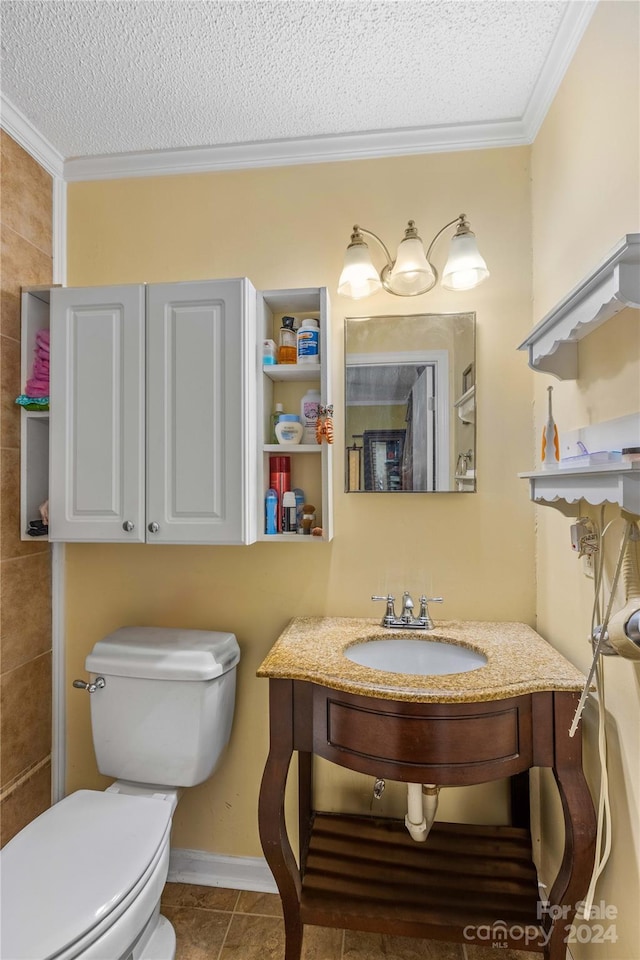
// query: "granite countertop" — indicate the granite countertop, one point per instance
point(519, 661)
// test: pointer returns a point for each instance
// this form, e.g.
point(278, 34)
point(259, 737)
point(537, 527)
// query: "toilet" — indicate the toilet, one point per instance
point(83, 880)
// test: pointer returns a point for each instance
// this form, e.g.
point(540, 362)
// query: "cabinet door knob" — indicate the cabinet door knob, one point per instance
point(153, 527)
point(128, 526)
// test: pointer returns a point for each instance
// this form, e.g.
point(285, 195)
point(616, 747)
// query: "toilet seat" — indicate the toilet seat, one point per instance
point(91, 867)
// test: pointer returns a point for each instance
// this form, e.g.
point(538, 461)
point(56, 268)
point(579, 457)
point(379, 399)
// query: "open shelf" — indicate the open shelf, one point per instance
point(613, 285)
point(286, 449)
point(361, 873)
point(311, 464)
point(34, 424)
point(283, 372)
point(466, 406)
point(597, 483)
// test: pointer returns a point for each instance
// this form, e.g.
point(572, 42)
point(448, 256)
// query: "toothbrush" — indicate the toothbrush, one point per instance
point(550, 441)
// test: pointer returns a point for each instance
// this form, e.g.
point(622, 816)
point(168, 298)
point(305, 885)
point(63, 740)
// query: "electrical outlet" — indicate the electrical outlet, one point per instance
point(587, 565)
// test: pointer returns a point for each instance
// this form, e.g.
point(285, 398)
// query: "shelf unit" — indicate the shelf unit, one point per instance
point(613, 285)
point(311, 464)
point(599, 483)
point(34, 424)
point(552, 346)
point(465, 406)
point(426, 890)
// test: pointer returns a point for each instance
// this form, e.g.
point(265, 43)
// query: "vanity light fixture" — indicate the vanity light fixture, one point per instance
point(412, 272)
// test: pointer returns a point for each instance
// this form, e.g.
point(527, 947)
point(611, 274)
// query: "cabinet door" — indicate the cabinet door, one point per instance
point(201, 412)
point(96, 474)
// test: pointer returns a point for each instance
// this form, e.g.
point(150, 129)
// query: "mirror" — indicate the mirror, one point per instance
point(410, 404)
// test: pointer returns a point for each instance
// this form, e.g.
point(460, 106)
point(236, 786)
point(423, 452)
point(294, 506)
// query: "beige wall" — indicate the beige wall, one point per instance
point(25, 594)
point(586, 196)
point(289, 227)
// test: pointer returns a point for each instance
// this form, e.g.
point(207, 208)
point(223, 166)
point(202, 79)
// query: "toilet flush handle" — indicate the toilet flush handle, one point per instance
point(90, 687)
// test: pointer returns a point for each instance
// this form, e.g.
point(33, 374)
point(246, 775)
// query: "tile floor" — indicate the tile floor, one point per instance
point(213, 923)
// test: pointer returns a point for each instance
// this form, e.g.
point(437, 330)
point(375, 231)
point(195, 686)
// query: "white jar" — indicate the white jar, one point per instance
point(288, 429)
point(308, 341)
point(309, 406)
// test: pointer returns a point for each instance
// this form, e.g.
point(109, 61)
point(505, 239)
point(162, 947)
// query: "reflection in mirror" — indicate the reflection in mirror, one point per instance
point(410, 403)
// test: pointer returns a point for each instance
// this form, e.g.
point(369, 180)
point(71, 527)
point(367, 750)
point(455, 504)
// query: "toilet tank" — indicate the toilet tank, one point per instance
point(165, 711)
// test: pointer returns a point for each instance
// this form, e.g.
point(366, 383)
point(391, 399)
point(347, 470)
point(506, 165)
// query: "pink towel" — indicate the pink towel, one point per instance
point(37, 388)
point(40, 370)
point(42, 337)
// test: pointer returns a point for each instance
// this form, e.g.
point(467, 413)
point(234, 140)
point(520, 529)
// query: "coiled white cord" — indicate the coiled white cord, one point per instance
point(604, 820)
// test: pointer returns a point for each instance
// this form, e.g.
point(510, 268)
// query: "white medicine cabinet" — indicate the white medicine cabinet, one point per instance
point(160, 412)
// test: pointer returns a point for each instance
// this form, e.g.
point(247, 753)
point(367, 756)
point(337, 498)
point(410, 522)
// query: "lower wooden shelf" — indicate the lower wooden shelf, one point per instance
point(466, 883)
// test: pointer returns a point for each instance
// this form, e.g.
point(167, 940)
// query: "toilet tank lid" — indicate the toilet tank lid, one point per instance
point(164, 653)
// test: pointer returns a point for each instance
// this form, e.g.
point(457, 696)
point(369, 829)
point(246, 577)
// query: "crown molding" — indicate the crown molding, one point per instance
point(23, 132)
point(279, 153)
point(321, 149)
point(574, 23)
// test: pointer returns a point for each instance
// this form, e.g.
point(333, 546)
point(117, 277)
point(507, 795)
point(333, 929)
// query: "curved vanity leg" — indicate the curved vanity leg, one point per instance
point(573, 877)
point(271, 819)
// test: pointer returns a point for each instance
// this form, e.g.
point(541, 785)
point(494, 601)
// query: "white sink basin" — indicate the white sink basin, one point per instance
point(417, 656)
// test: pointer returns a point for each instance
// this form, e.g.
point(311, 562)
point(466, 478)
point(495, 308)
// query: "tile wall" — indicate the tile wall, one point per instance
point(25, 576)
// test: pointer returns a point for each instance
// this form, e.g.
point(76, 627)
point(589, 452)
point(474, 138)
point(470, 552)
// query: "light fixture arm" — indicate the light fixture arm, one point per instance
point(463, 227)
point(358, 231)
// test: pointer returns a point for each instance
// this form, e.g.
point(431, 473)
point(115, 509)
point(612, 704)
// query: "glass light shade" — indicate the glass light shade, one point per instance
point(359, 277)
point(465, 267)
point(412, 273)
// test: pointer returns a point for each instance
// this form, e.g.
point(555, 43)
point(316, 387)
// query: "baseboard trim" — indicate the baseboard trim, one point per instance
point(214, 870)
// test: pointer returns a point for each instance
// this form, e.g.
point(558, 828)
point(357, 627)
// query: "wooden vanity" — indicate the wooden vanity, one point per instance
point(467, 883)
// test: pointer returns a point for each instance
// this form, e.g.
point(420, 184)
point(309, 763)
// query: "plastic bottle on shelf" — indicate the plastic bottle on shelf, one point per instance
point(275, 416)
point(299, 505)
point(287, 341)
point(271, 511)
point(289, 516)
point(269, 353)
point(308, 341)
point(309, 406)
point(280, 480)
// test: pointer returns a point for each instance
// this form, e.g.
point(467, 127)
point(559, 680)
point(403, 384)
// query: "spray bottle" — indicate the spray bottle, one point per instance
point(550, 441)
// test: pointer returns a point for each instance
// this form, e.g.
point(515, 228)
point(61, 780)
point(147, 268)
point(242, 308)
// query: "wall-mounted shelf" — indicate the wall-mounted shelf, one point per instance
point(599, 483)
point(311, 464)
point(613, 285)
point(466, 405)
point(286, 449)
point(291, 372)
point(34, 424)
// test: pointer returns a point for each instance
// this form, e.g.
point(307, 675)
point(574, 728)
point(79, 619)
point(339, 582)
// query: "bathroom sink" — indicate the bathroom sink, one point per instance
point(429, 657)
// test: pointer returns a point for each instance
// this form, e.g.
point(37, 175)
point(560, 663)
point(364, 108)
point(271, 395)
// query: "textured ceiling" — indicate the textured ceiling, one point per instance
point(112, 77)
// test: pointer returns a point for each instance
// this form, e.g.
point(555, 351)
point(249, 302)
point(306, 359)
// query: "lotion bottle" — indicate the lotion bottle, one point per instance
point(309, 415)
point(275, 416)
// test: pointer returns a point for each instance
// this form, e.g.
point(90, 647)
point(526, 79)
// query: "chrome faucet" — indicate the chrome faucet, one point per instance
point(406, 620)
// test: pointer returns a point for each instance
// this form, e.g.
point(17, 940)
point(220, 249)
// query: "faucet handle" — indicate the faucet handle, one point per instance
point(424, 609)
point(390, 615)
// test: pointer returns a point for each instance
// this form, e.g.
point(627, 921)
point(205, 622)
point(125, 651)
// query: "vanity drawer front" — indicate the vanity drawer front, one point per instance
point(465, 742)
